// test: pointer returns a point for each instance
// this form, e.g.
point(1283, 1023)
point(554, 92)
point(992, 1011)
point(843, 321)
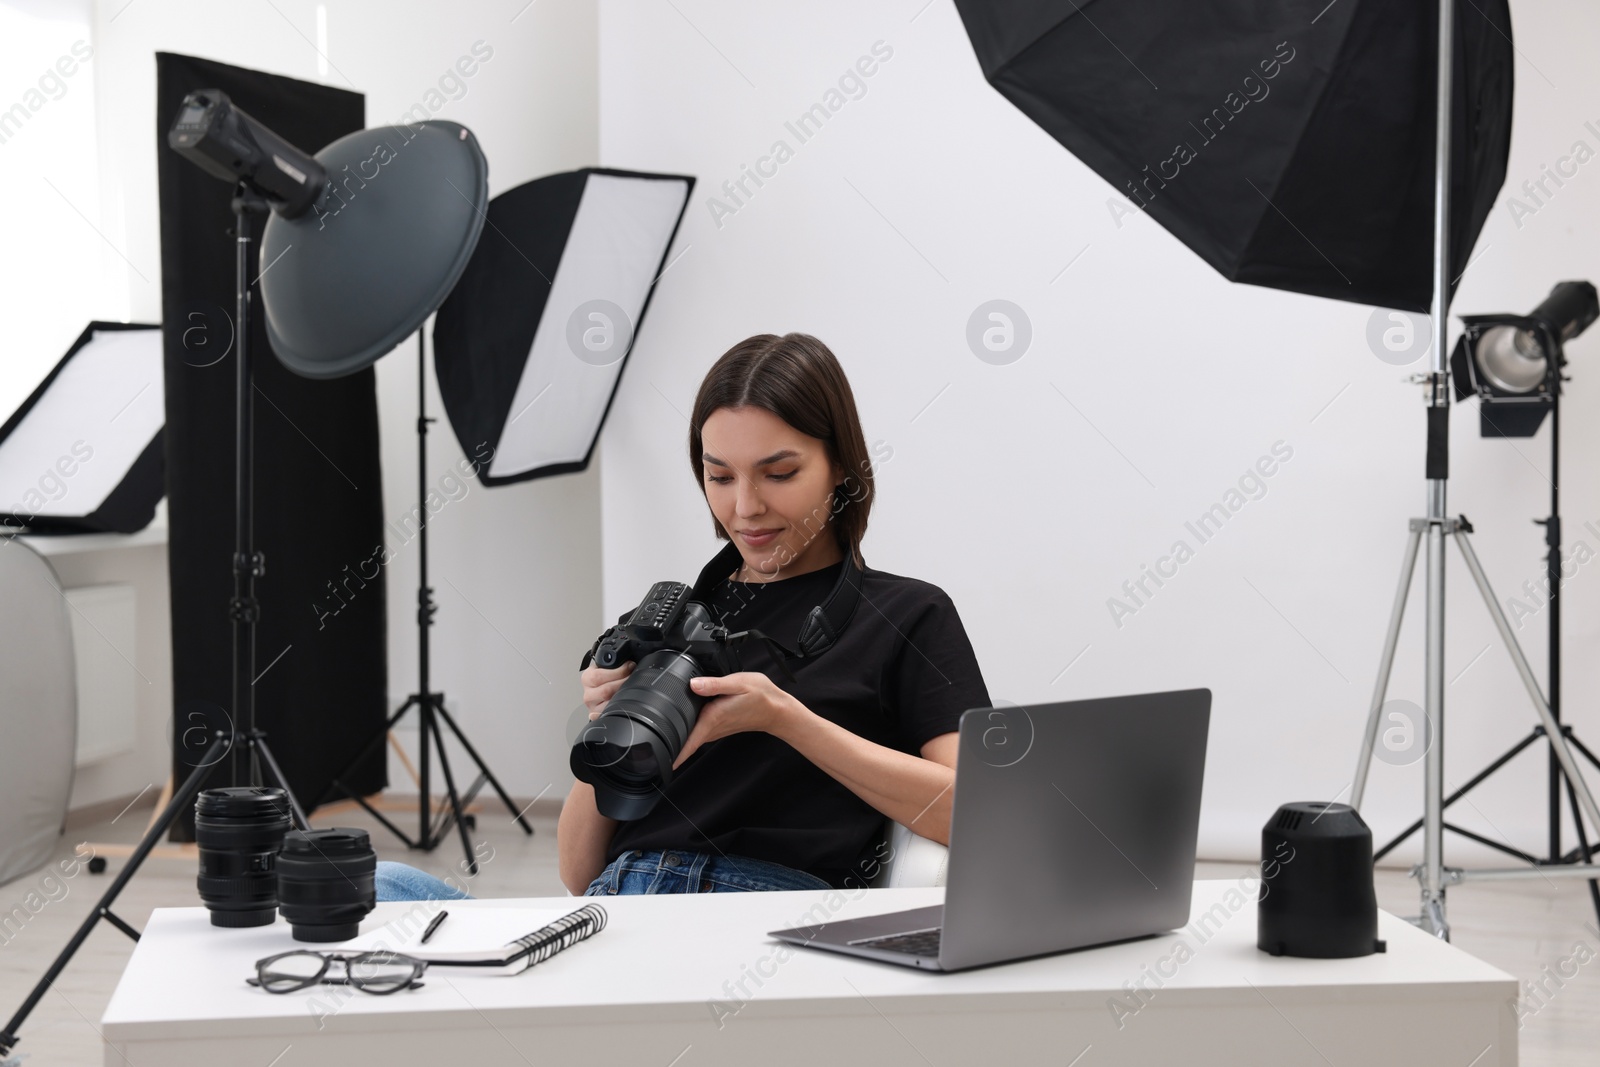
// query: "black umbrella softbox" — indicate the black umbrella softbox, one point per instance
point(1290, 143)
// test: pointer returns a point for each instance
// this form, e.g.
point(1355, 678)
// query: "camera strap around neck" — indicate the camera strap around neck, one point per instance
point(824, 623)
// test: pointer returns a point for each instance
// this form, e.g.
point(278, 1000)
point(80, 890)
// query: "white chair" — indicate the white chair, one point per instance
point(39, 711)
point(909, 860)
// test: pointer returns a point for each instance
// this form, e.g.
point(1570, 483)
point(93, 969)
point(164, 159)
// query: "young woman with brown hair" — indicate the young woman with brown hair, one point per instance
point(788, 787)
point(783, 787)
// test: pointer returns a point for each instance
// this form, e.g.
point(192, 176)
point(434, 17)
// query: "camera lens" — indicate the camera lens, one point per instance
point(627, 752)
point(239, 831)
point(325, 882)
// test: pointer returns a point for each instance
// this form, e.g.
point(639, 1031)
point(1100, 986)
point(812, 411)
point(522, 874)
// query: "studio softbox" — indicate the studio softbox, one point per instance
point(1289, 143)
point(84, 452)
point(532, 341)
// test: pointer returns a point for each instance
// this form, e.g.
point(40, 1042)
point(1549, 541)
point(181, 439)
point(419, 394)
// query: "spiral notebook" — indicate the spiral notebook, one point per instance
point(490, 940)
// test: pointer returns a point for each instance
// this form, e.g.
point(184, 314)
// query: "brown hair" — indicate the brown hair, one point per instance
point(799, 380)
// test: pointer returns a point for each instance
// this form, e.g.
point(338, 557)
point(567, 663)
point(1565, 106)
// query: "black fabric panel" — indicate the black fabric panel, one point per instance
point(318, 485)
point(1317, 180)
point(132, 504)
point(483, 331)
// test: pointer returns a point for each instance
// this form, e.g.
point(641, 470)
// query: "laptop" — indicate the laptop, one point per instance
point(1073, 824)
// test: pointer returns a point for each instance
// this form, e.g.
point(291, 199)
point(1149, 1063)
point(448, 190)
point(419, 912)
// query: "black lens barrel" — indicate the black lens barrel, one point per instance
point(239, 831)
point(325, 882)
point(627, 752)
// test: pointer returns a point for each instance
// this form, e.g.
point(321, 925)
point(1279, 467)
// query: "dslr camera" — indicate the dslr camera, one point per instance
point(627, 752)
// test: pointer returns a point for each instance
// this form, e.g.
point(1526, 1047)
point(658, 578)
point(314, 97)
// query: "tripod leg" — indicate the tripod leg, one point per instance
point(258, 748)
point(1558, 744)
point(373, 744)
point(450, 786)
point(1380, 689)
point(1432, 870)
point(1583, 845)
point(1471, 784)
point(487, 773)
point(1583, 750)
point(102, 910)
point(377, 739)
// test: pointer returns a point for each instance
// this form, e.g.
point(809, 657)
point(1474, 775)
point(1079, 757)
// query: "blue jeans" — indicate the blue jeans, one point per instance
point(656, 871)
point(399, 881)
point(676, 871)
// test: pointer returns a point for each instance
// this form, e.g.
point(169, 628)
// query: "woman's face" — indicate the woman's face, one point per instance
point(770, 486)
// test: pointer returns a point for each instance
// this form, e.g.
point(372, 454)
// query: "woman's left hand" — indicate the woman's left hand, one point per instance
point(746, 700)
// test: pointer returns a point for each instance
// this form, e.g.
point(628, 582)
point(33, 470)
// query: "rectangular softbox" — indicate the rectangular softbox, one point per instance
point(531, 345)
point(83, 452)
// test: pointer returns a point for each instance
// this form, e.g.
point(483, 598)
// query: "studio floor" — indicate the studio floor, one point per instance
point(1523, 928)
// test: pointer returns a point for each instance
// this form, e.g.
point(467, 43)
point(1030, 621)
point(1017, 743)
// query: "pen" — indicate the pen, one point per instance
point(434, 925)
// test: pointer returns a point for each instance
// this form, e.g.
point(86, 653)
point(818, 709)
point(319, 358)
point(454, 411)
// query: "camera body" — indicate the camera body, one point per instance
point(666, 620)
point(627, 752)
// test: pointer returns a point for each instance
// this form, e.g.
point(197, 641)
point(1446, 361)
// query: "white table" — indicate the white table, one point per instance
point(660, 986)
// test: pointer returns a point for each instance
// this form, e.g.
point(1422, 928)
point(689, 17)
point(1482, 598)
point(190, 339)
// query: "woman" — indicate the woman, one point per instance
point(786, 787)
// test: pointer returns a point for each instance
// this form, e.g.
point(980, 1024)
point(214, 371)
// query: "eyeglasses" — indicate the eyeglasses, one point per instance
point(379, 973)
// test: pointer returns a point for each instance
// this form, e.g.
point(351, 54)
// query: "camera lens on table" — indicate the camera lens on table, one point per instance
point(239, 831)
point(325, 882)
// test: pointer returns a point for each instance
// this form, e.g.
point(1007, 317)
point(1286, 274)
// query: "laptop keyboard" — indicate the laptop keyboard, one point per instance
point(914, 942)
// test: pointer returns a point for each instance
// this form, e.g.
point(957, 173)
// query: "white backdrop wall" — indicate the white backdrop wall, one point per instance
point(57, 268)
point(1032, 491)
point(515, 570)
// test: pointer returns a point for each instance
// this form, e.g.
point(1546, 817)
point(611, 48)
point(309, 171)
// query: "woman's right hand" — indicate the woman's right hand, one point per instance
point(601, 684)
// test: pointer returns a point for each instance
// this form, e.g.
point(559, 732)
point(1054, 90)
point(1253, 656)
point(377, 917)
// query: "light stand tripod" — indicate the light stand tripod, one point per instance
point(243, 609)
point(1557, 772)
point(1431, 873)
point(429, 704)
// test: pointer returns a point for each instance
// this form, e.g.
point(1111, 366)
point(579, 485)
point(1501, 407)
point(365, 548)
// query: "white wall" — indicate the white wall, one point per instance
point(143, 770)
point(1030, 492)
point(55, 266)
point(515, 570)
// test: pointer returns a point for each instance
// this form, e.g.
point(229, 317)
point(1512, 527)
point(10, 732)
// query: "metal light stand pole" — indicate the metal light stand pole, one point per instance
point(1552, 540)
point(429, 704)
point(1431, 874)
point(248, 564)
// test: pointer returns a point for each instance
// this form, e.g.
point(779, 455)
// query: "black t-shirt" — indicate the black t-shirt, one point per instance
point(902, 673)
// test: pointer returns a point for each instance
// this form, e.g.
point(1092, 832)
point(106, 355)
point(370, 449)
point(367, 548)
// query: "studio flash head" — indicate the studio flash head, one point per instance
point(1513, 363)
point(225, 142)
